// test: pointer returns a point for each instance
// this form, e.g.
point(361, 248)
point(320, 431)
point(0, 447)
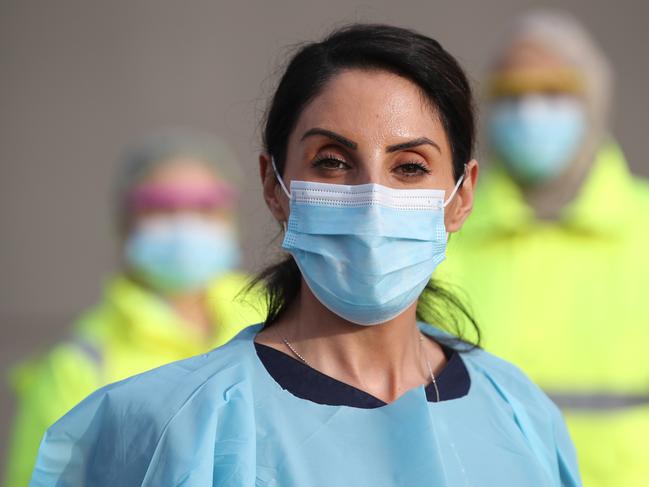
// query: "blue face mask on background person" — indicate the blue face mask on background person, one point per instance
point(365, 251)
point(538, 136)
point(182, 252)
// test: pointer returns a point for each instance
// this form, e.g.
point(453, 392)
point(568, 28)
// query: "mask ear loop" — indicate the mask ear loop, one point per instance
point(455, 189)
point(281, 183)
point(279, 178)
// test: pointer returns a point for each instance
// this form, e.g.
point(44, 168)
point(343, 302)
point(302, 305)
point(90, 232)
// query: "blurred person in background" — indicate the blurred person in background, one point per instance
point(555, 260)
point(177, 294)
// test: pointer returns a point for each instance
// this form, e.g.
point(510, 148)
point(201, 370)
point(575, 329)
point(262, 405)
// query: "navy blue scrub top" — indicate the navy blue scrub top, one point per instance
point(306, 382)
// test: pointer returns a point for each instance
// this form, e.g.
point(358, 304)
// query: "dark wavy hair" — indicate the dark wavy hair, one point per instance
point(444, 85)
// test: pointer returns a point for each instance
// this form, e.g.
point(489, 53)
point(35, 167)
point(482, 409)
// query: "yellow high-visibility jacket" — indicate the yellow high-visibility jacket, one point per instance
point(568, 302)
point(129, 332)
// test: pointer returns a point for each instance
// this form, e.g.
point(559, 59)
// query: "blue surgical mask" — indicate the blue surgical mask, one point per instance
point(366, 251)
point(537, 137)
point(182, 252)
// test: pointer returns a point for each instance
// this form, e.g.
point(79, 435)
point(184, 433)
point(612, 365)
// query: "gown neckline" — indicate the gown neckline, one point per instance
point(269, 383)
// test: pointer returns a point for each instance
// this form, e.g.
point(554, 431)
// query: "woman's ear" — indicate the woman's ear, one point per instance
point(460, 208)
point(275, 198)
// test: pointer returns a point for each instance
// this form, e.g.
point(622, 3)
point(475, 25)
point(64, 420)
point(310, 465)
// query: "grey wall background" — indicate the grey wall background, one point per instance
point(79, 79)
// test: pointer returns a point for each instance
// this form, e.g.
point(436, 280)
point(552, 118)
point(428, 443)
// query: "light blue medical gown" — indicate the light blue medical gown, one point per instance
point(221, 419)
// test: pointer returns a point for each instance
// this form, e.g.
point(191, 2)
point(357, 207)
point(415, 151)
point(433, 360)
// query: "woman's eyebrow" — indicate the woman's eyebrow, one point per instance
point(332, 135)
point(353, 145)
point(412, 143)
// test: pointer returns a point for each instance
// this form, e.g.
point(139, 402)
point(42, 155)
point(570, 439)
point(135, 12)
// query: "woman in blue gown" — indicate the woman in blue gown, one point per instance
point(367, 165)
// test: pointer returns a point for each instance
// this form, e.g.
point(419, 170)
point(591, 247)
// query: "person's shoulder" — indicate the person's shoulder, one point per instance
point(234, 283)
point(641, 187)
point(505, 375)
point(537, 415)
point(486, 365)
point(162, 391)
point(479, 359)
point(612, 160)
point(187, 375)
point(234, 300)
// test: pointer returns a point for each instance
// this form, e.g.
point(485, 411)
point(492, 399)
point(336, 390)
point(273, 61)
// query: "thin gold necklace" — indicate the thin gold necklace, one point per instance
point(421, 344)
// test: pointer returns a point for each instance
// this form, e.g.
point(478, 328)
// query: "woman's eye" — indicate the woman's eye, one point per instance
point(413, 169)
point(330, 163)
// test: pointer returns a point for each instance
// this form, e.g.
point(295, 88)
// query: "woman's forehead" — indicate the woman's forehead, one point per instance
point(370, 105)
